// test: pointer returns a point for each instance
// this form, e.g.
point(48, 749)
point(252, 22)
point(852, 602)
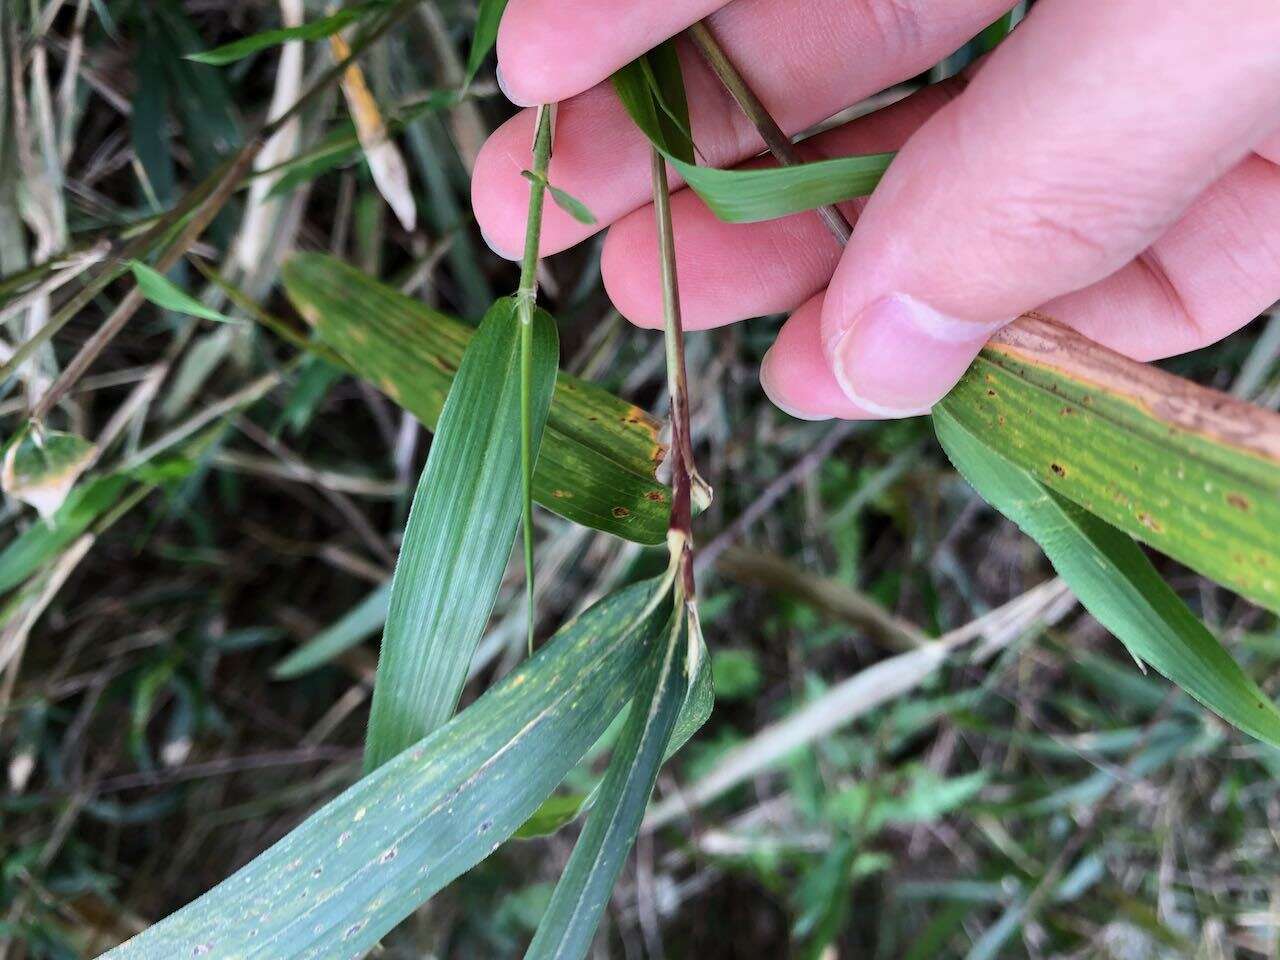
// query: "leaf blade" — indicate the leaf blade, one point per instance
point(599, 453)
point(571, 918)
point(1191, 472)
point(314, 30)
point(441, 806)
point(461, 528)
point(1115, 581)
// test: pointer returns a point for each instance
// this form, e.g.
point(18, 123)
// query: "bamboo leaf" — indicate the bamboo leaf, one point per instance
point(488, 18)
point(157, 288)
point(1192, 472)
point(596, 466)
point(315, 30)
point(1115, 582)
point(742, 196)
point(41, 466)
point(356, 625)
point(570, 922)
point(565, 200)
point(460, 531)
point(349, 873)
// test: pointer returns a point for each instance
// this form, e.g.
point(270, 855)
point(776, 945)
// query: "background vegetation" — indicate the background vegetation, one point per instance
point(1029, 793)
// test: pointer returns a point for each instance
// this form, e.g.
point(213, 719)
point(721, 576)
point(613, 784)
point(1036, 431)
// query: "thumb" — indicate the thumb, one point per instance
point(1079, 141)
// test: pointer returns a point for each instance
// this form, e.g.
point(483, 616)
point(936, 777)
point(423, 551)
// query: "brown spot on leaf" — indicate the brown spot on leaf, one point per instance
point(1239, 501)
point(1150, 522)
point(620, 512)
point(1058, 469)
point(561, 494)
point(655, 495)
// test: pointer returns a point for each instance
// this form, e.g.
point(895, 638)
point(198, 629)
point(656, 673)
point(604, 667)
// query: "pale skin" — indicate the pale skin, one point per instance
point(1114, 164)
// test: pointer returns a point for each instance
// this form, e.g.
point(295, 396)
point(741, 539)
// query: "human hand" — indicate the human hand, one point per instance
point(1113, 163)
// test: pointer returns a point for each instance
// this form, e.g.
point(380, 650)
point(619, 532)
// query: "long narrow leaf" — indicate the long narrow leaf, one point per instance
point(598, 456)
point(1192, 472)
point(488, 18)
point(750, 195)
point(570, 922)
point(348, 874)
point(460, 531)
point(315, 30)
point(1115, 582)
point(357, 624)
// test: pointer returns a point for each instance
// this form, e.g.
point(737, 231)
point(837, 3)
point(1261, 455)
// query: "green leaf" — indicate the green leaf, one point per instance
point(1192, 472)
point(157, 288)
point(748, 196)
point(565, 200)
point(1115, 582)
point(488, 18)
point(599, 453)
point(557, 811)
point(349, 873)
point(568, 926)
point(315, 30)
point(43, 541)
point(739, 196)
point(41, 466)
point(356, 625)
point(460, 531)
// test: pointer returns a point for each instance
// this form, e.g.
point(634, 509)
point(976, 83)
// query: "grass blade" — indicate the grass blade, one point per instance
point(460, 531)
point(570, 922)
point(488, 17)
point(1192, 472)
point(356, 625)
point(598, 456)
point(161, 291)
point(349, 873)
point(315, 30)
point(1115, 582)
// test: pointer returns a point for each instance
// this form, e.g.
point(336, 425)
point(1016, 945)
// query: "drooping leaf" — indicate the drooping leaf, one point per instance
point(356, 625)
point(1192, 472)
point(349, 873)
point(1115, 581)
point(599, 453)
point(314, 30)
point(460, 532)
point(569, 924)
point(748, 195)
point(488, 17)
point(157, 288)
point(41, 466)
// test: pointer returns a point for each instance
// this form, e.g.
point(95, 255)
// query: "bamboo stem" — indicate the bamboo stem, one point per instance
point(526, 298)
point(775, 139)
point(682, 468)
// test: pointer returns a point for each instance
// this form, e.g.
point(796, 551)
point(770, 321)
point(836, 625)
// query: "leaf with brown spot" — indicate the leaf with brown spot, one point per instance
point(600, 448)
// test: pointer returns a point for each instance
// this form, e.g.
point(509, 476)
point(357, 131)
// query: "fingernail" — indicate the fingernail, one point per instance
point(506, 91)
point(768, 384)
point(900, 356)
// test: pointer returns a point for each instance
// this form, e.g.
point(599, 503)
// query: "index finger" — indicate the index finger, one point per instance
point(550, 50)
